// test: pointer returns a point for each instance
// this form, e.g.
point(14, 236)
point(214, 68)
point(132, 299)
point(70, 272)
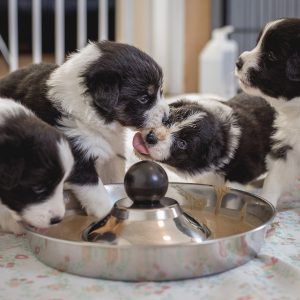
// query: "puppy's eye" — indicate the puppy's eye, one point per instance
point(271, 56)
point(182, 144)
point(144, 99)
point(39, 189)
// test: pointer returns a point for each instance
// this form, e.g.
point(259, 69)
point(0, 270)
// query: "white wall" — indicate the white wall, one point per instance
point(157, 27)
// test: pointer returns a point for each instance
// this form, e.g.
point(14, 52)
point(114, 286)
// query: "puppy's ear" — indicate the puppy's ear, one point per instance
point(104, 88)
point(293, 67)
point(11, 164)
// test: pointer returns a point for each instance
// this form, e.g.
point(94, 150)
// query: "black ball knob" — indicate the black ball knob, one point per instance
point(146, 182)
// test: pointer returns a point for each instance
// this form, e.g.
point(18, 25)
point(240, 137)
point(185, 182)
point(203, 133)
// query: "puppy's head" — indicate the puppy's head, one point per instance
point(126, 86)
point(35, 160)
point(272, 68)
point(193, 140)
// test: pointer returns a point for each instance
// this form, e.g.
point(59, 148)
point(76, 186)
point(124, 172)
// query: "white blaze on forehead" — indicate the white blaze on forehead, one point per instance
point(153, 117)
point(66, 157)
point(268, 27)
point(162, 150)
point(250, 57)
point(188, 122)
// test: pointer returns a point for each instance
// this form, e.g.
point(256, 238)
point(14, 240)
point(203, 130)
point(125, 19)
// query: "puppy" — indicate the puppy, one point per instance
point(272, 70)
point(35, 161)
point(91, 98)
point(232, 139)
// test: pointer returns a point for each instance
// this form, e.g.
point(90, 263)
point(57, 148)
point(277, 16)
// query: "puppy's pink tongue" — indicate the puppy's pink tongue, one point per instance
point(139, 144)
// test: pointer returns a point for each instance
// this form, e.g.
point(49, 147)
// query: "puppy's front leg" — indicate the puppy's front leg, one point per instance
point(89, 189)
point(282, 175)
point(8, 223)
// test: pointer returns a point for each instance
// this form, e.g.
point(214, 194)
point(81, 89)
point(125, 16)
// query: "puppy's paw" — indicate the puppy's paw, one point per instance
point(12, 226)
point(98, 209)
point(94, 199)
point(8, 223)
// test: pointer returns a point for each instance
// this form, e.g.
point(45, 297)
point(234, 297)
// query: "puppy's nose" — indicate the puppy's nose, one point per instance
point(55, 220)
point(239, 63)
point(165, 119)
point(151, 138)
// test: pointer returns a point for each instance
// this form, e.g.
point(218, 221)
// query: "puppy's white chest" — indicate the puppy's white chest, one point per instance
point(101, 143)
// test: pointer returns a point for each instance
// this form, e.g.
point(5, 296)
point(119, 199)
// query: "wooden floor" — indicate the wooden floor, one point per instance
point(24, 60)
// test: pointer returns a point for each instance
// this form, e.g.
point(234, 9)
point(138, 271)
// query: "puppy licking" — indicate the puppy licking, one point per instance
point(272, 70)
point(91, 98)
point(35, 161)
point(233, 139)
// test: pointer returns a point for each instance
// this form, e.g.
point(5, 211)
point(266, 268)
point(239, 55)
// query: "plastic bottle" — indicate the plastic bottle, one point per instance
point(216, 64)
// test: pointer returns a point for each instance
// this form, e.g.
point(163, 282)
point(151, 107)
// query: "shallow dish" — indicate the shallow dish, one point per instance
point(238, 224)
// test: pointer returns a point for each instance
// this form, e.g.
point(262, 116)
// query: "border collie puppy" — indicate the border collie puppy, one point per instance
point(272, 70)
point(232, 139)
point(35, 161)
point(90, 98)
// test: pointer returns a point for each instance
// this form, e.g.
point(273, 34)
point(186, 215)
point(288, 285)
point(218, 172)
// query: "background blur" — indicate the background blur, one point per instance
point(174, 32)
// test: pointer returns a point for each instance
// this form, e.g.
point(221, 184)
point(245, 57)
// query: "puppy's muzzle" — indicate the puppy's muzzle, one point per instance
point(55, 220)
point(151, 138)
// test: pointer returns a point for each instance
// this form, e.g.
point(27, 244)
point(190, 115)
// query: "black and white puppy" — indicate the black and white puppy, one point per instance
point(90, 98)
point(232, 139)
point(272, 70)
point(35, 161)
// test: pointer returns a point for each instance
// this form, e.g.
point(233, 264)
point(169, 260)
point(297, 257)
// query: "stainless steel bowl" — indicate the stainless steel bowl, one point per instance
point(63, 247)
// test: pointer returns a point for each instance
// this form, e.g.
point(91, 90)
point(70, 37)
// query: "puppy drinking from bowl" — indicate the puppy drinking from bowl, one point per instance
point(272, 70)
point(91, 99)
point(231, 139)
point(35, 161)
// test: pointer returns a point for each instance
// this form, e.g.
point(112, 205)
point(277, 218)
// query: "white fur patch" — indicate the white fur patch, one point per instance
point(10, 108)
point(66, 86)
point(155, 115)
point(92, 135)
point(94, 199)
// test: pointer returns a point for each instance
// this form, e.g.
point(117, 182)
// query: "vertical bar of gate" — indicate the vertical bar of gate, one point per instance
point(103, 20)
point(13, 34)
point(36, 31)
point(59, 31)
point(81, 23)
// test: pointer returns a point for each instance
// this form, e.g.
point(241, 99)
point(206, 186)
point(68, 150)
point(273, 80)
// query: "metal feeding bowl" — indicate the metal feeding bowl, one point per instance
point(194, 230)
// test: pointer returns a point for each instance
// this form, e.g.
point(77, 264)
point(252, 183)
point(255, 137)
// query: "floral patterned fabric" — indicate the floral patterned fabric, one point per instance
point(274, 274)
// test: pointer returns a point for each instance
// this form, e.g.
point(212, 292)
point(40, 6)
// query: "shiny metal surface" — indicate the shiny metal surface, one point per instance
point(161, 262)
point(161, 224)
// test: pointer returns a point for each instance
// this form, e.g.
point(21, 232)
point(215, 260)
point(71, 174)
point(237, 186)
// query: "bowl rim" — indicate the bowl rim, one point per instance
point(206, 242)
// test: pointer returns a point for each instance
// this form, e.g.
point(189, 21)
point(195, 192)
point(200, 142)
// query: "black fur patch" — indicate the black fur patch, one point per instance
point(207, 139)
point(84, 170)
point(278, 72)
point(28, 86)
point(255, 118)
point(30, 165)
